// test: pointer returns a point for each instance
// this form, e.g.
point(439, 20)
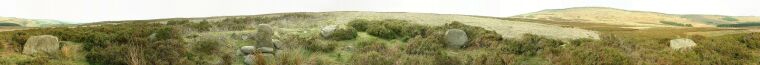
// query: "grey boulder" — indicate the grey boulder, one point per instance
point(455, 38)
point(42, 43)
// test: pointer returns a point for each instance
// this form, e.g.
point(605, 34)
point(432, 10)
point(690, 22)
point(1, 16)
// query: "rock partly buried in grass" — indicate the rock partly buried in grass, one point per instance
point(247, 49)
point(264, 36)
point(42, 43)
point(249, 59)
point(266, 50)
point(455, 38)
point(327, 31)
point(682, 43)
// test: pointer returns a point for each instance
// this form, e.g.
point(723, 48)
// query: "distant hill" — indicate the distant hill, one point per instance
point(11, 21)
point(634, 18)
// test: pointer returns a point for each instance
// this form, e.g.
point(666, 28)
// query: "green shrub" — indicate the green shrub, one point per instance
point(9, 24)
point(530, 45)
point(420, 45)
point(747, 24)
point(479, 37)
point(371, 45)
point(359, 24)
point(388, 28)
point(207, 46)
point(322, 46)
point(676, 23)
point(729, 19)
point(346, 33)
point(443, 58)
point(381, 32)
point(201, 26)
point(752, 40)
point(372, 58)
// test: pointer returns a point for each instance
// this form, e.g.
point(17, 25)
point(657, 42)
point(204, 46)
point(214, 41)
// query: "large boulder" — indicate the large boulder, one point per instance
point(682, 43)
point(264, 36)
point(328, 30)
point(247, 49)
point(455, 38)
point(42, 43)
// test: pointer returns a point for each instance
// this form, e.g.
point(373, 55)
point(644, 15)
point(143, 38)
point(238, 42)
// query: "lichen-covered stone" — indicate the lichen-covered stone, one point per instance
point(42, 43)
point(264, 36)
point(455, 38)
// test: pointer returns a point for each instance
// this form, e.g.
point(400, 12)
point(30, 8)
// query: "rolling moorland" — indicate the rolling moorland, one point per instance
point(576, 36)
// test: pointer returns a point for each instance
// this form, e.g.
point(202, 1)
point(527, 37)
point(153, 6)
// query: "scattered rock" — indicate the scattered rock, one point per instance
point(264, 36)
point(278, 44)
point(266, 49)
point(249, 59)
point(42, 43)
point(247, 49)
point(328, 30)
point(455, 38)
point(682, 43)
point(252, 58)
point(152, 36)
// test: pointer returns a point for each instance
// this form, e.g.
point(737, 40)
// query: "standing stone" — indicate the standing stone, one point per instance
point(682, 43)
point(455, 38)
point(264, 36)
point(247, 49)
point(42, 43)
point(328, 30)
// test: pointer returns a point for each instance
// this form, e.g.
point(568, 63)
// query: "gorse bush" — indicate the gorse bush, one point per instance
point(676, 23)
point(387, 29)
point(479, 37)
point(371, 45)
point(343, 33)
point(372, 58)
point(752, 40)
point(402, 29)
point(420, 45)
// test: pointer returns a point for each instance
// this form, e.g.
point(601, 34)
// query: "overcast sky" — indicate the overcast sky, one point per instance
point(83, 11)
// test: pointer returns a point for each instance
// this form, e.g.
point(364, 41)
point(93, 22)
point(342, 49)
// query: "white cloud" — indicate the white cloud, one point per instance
point(104, 10)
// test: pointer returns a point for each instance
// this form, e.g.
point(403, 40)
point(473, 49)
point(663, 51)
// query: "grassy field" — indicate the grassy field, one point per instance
point(374, 42)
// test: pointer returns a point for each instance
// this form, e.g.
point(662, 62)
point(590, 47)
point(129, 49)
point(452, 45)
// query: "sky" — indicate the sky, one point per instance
point(86, 11)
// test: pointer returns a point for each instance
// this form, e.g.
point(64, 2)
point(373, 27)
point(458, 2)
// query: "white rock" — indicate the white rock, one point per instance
point(682, 43)
point(328, 30)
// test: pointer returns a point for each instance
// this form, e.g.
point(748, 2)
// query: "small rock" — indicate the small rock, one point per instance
point(249, 59)
point(278, 44)
point(247, 49)
point(682, 43)
point(42, 43)
point(455, 38)
point(266, 49)
point(328, 30)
